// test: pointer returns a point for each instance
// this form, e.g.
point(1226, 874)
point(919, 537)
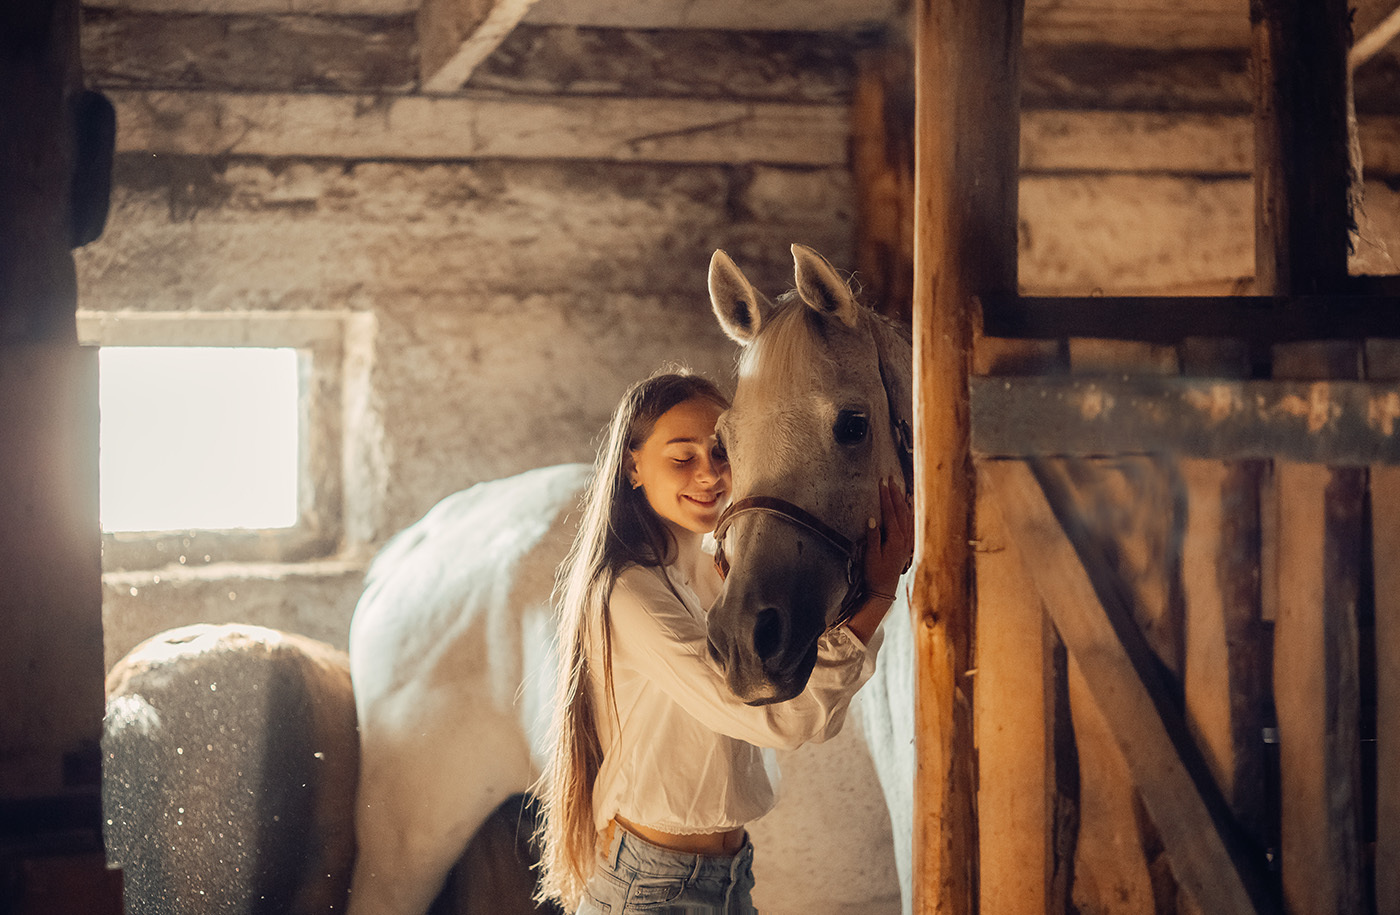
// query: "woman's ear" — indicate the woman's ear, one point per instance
point(821, 287)
point(737, 304)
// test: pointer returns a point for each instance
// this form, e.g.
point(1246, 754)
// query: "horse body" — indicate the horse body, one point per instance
point(451, 652)
point(229, 771)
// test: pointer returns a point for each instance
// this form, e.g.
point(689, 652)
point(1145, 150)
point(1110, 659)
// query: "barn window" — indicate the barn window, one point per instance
point(220, 437)
point(198, 437)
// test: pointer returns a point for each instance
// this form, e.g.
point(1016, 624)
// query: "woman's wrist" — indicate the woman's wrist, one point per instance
point(868, 616)
point(880, 592)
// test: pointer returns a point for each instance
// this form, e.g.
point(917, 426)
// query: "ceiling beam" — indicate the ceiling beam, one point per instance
point(456, 35)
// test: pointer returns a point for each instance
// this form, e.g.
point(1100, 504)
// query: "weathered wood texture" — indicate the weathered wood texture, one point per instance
point(1226, 666)
point(40, 78)
point(1385, 540)
point(1119, 673)
point(457, 128)
point(128, 48)
point(1014, 715)
point(454, 36)
point(124, 49)
point(1319, 539)
point(1337, 422)
point(757, 66)
point(1316, 683)
point(1128, 505)
point(1383, 362)
point(1303, 167)
point(882, 170)
point(1224, 677)
point(966, 125)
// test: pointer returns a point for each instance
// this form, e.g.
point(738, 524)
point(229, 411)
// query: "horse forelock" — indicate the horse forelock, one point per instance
point(797, 352)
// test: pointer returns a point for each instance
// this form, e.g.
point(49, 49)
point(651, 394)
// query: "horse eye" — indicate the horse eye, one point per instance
point(720, 451)
point(851, 427)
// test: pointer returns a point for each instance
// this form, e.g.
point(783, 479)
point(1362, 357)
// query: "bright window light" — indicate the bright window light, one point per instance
point(198, 438)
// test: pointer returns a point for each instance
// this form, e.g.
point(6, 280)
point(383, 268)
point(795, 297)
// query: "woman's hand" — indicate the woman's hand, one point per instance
point(889, 547)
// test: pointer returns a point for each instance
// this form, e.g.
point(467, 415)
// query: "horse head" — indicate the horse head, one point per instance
point(819, 417)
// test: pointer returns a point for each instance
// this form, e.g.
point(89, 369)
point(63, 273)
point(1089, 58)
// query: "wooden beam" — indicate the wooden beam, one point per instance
point(127, 49)
point(1257, 320)
point(1117, 666)
point(1316, 686)
point(1385, 554)
point(480, 127)
point(966, 124)
point(1317, 544)
point(1336, 422)
point(456, 35)
point(1014, 710)
point(1383, 362)
point(261, 122)
point(1303, 164)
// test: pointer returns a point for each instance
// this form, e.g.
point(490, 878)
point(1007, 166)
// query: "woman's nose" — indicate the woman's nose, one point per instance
point(708, 470)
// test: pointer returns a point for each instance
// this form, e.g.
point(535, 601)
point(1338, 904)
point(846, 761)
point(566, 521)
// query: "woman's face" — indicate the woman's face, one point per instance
point(681, 468)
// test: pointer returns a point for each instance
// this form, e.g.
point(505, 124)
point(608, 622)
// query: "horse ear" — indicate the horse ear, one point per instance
point(736, 303)
point(821, 287)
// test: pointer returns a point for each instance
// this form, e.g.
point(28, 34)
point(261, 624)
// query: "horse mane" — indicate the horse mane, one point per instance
point(787, 341)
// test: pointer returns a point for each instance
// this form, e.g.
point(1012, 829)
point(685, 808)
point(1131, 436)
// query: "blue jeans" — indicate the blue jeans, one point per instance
point(637, 877)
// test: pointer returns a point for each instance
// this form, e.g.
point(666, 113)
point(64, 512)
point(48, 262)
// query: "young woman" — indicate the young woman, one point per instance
point(657, 767)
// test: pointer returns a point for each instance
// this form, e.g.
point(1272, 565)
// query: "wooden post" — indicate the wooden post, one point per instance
point(39, 82)
point(967, 129)
point(1302, 171)
point(1302, 226)
point(51, 700)
point(1383, 362)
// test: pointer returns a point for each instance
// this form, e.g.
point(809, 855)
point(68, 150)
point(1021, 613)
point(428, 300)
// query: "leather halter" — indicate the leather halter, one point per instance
point(852, 551)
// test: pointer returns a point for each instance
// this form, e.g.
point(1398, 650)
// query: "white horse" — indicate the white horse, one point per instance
point(451, 645)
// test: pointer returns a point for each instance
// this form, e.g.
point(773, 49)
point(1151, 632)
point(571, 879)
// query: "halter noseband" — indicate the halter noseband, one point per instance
point(852, 551)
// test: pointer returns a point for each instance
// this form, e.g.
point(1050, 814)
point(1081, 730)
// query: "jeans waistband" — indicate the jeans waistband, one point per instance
point(635, 852)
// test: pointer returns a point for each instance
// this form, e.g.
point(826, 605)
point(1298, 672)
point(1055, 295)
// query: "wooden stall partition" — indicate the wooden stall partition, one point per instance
point(967, 128)
point(1128, 502)
point(1015, 722)
point(1317, 548)
point(1091, 611)
point(1383, 364)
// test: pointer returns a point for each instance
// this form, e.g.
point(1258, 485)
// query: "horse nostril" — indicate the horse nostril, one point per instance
point(767, 633)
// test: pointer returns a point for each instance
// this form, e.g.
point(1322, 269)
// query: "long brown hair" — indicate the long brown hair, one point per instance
point(618, 529)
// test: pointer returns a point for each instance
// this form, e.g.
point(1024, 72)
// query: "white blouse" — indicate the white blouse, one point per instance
point(682, 754)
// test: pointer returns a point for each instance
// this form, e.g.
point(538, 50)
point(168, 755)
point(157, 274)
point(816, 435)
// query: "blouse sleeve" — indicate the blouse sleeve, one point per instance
point(656, 635)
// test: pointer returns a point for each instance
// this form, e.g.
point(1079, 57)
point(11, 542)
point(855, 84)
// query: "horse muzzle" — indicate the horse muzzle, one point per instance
point(775, 604)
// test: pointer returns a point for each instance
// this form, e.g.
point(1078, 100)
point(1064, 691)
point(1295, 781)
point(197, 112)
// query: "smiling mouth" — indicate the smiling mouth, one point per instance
point(711, 503)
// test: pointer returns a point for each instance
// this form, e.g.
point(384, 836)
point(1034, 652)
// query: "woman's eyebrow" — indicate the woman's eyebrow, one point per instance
point(684, 441)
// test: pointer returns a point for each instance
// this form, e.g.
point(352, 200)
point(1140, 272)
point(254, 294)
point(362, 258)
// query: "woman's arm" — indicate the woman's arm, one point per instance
point(655, 635)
